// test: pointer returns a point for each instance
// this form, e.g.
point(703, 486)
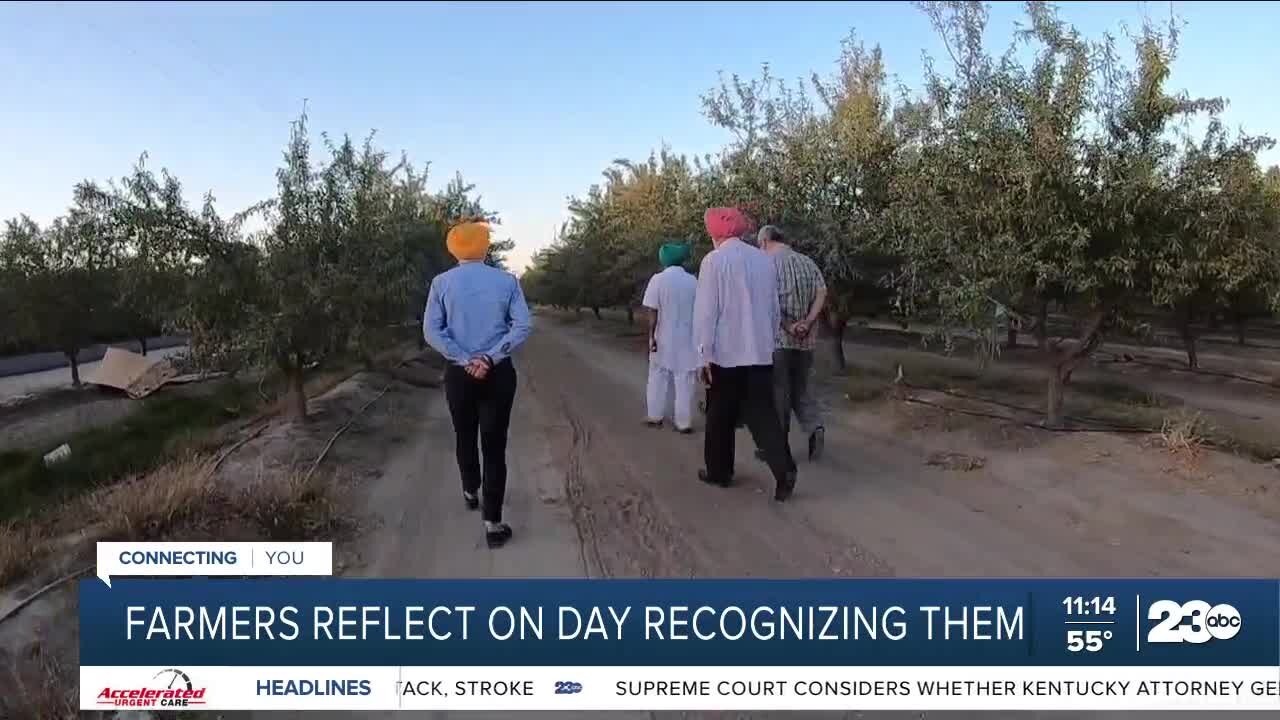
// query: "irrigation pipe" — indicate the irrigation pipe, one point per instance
point(1118, 358)
point(1034, 426)
point(33, 596)
point(964, 396)
point(227, 453)
point(343, 429)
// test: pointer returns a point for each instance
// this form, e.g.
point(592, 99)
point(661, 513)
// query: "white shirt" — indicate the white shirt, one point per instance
point(736, 317)
point(671, 292)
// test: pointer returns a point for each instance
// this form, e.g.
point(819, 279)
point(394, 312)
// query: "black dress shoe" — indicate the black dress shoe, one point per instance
point(704, 477)
point(653, 423)
point(817, 439)
point(472, 501)
point(499, 536)
point(685, 431)
point(786, 488)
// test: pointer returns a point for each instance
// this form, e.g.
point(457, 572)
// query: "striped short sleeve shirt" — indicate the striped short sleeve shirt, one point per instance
point(799, 281)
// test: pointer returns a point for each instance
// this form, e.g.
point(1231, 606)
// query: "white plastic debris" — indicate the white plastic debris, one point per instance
point(58, 454)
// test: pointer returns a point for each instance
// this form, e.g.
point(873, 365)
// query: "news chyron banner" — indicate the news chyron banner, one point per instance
point(303, 643)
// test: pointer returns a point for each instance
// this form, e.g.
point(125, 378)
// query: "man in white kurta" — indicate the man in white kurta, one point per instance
point(736, 321)
point(673, 360)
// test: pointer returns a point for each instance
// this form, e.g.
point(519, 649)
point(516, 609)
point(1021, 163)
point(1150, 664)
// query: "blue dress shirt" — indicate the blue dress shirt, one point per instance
point(475, 309)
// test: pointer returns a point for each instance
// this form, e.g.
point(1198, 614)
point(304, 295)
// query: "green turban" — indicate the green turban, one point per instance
point(673, 254)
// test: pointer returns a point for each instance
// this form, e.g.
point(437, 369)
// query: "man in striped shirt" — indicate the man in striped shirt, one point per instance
point(802, 293)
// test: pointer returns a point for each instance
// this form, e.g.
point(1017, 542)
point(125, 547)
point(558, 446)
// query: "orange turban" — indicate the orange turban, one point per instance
point(469, 241)
point(726, 222)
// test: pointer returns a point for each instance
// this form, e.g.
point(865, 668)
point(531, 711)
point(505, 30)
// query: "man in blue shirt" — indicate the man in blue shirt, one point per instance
point(476, 317)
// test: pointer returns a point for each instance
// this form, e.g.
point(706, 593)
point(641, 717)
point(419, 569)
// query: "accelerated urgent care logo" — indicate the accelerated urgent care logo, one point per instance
point(168, 688)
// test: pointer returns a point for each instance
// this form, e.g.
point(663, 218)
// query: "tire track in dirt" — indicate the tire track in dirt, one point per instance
point(623, 531)
point(584, 523)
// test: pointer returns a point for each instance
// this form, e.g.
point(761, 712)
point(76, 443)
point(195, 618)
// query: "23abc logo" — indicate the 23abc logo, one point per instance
point(1194, 622)
point(568, 687)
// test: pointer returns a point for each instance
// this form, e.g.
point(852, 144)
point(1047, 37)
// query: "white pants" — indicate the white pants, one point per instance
point(661, 381)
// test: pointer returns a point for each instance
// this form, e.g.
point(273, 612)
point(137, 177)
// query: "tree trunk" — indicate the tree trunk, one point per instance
point(1053, 402)
point(1239, 323)
point(142, 343)
point(1042, 326)
point(73, 357)
point(1011, 339)
point(1189, 340)
point(1064, 362)
point(837, 324)
point(631, 315)
point(1188, 337)
point(297, 394)
point(596, 310)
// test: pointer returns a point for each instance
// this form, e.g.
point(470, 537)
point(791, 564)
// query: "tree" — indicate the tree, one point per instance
point(145, 218)
point(1044, 183)
point(291, 310)
point(823, 170)
point(1222, 252)
point(62, 279)
point(349, 247)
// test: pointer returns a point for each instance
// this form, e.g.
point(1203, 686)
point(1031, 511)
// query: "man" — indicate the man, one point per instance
point(476, 317)
point(736, 319)
point(802, 293)
point(673, 361)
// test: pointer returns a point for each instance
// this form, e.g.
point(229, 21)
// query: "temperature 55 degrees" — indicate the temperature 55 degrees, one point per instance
point(1086, 640)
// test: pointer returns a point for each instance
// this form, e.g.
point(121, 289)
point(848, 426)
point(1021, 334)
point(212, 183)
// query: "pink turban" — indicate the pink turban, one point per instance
point(726, 222)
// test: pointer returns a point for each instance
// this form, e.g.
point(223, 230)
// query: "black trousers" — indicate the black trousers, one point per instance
point(481, 409)
point(744, 394)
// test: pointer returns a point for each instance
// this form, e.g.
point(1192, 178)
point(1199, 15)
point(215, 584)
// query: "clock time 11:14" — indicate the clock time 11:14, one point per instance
point(1090, 606)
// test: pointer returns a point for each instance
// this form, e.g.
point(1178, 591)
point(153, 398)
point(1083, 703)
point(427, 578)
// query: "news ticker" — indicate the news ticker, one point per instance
point(349, 643)
point(498, 688)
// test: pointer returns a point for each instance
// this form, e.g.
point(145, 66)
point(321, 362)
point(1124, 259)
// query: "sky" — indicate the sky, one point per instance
point(529, 101)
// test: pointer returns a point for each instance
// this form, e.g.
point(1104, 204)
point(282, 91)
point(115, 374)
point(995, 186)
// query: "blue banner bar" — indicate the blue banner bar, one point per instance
point(873, 622)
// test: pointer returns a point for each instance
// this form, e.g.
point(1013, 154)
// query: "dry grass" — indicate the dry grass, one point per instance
point(294, 507)
point(956, 461)
point(179, 498)
point(1184, 434)
point(150, 507)
point(18, 551)
point(42, 688)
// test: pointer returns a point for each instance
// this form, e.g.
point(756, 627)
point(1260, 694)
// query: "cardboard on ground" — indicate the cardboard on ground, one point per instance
point(137, 375)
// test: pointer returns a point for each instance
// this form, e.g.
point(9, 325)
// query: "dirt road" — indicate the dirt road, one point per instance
point(593, 492)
